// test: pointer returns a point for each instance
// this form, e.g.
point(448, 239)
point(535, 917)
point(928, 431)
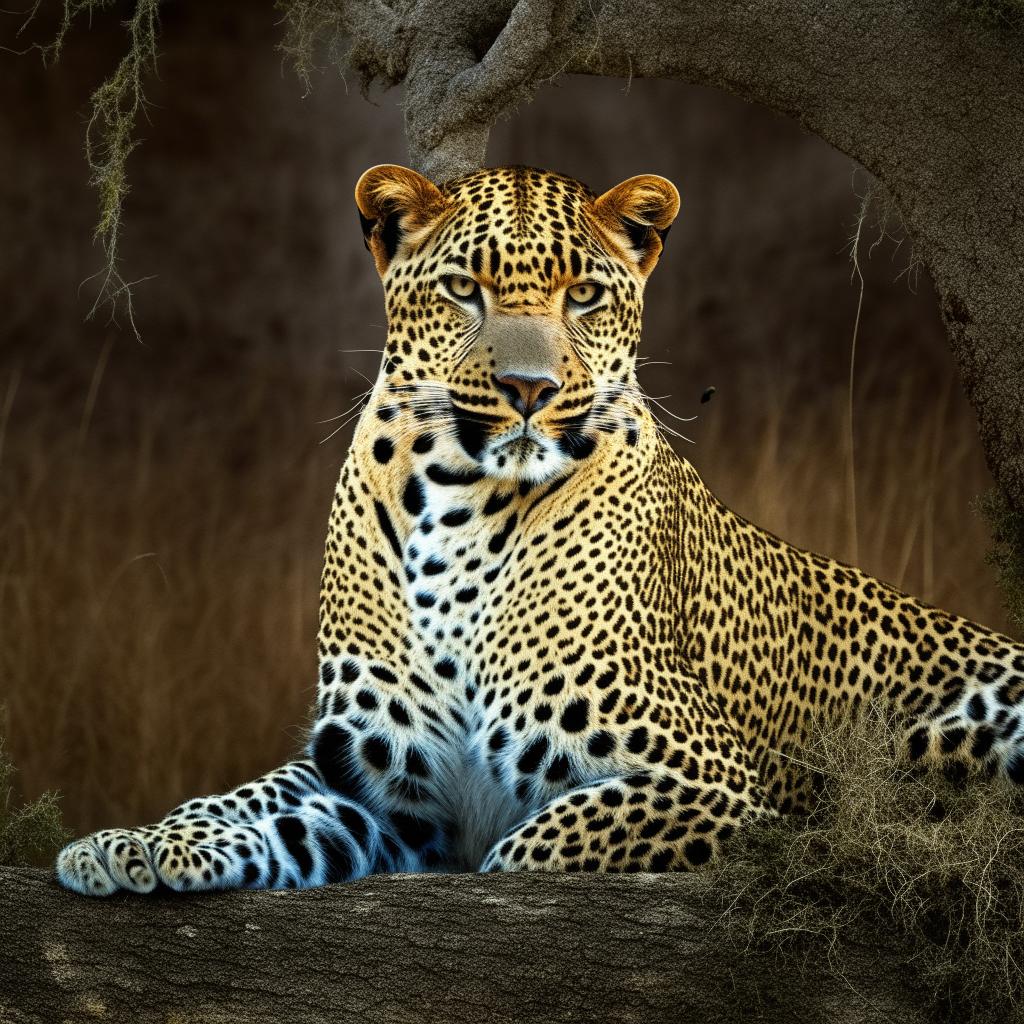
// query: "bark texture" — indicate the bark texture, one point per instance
point(397, 949)
point(931, 103)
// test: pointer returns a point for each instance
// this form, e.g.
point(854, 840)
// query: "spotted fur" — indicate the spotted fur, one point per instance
point(543, 642)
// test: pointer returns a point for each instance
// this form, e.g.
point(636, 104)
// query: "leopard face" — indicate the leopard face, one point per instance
point(514, 299)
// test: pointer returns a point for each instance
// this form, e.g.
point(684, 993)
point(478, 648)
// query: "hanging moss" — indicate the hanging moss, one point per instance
point(33, 833)
point(109, 138)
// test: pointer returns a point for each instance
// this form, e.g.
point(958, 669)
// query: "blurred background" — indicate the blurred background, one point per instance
point(163, 503)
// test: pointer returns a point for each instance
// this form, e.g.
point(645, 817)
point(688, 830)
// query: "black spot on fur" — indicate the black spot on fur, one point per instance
point(378, 752)
point(456, 517)
point(398, 712)
point(531, 758)
point(637, 740)
point(356, 824)
point(697, 851)
point(415, 832)
point(415, 765)
point(601, 744)
point(445, 668)
point(338, 858)
point(576, 715)
point(976, 708)
point(497, 542)
point(471, 434)
point(383, 449)
point(293, 835)
point(496, 502)
point(413, 499)
point(367, 700)
point(558, 769)
point(918, 744)
point(386, 526)
point(983, 741)
point(576, 444)
point(332, 754)
point(451, 477)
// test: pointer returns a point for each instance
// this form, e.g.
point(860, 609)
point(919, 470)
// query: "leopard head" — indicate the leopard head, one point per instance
point(514, 303)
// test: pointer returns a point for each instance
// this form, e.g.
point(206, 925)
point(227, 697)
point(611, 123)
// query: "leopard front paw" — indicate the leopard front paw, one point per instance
point(101, 863)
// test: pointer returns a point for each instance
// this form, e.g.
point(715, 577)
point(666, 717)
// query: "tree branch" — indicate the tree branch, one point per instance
point(396, 949)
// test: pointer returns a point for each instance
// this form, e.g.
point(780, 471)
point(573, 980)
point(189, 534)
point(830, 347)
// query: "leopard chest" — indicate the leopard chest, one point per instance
point(454, 561)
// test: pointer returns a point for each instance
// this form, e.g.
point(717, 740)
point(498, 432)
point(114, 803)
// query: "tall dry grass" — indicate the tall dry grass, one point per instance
point(158, 593)
point(159, 559)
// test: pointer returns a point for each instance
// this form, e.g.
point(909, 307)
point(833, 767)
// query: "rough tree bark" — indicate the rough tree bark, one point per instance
point(426, 948)
point(931, 103)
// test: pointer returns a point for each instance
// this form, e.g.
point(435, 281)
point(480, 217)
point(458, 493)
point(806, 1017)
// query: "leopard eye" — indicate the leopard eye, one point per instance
point(585, 294)
point(464, 288)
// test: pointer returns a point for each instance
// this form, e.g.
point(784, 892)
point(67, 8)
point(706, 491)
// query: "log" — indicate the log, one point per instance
point(409, 948)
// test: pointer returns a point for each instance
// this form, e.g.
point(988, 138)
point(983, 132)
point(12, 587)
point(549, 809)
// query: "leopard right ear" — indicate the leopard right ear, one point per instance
point(640, 212)
point(393, 203)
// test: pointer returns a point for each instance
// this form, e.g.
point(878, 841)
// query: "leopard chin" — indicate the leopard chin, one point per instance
point(526, 457)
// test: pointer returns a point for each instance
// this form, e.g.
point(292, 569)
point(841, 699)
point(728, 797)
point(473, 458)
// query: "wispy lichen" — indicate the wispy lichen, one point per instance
point(313, 35)
point(369, 42)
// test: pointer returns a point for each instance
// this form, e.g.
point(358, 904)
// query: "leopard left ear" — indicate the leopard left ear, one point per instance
point(640, 209)
point(394, 202)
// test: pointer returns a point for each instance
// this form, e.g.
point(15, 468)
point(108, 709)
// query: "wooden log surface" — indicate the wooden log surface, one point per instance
point(446, 948)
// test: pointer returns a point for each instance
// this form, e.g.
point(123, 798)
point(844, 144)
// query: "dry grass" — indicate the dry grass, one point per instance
point(30, 834)
point(158, 589)
point(888, 847)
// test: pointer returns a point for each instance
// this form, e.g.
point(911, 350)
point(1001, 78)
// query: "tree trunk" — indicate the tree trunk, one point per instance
point(478, 949)
point(927, 98)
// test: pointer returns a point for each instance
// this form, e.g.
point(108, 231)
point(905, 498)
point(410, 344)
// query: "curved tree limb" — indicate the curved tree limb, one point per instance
point(478, 949)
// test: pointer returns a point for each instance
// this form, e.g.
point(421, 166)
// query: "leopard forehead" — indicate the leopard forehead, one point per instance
point(524, 234)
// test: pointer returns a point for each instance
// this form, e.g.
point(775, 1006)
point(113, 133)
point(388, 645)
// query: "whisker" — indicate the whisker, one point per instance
point(669, 412)
point(358, 402)
point(342, 426)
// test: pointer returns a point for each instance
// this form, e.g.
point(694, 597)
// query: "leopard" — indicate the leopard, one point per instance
point(544, 644)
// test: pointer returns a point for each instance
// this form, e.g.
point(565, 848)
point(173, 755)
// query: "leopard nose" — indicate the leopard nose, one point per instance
point(527, 394)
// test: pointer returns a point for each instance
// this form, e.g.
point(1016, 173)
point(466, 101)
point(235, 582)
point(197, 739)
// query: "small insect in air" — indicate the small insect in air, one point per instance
point(706, 396)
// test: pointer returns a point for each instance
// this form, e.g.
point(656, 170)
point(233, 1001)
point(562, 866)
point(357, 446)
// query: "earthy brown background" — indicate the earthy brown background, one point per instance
point(162, 505)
